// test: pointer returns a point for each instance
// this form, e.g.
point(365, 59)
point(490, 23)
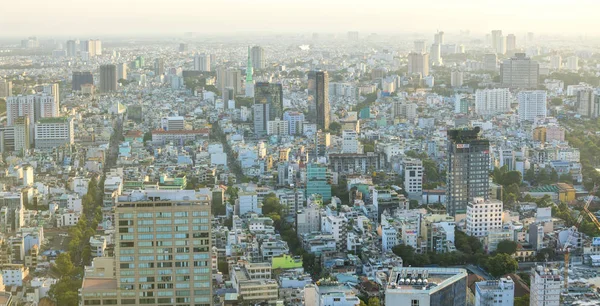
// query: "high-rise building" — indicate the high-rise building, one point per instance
point(318, 98)
point(573, 63)
point(456, 77)
point(317, 181)
point(121, 71)
point(71, 48)
point(490, 62)
point(202, 62)
point(588, 103)
point(461, 106)
point(5, 88)
point(405, 110)
point(22, 134)
point(93, 47)
point(268, 105)
point(353, 35)
point(501, 45)
point(438, 38)
point(436, 55)
point(295, 121)
point(350, 143)
point(230, 78)
point(519, 72)
point(411, 286)
point(546, 285)
point(556, 61)
point(413, 176)
point(532, 105)
point(20, 106)
point(492, 101)
point(483, 216)
point(54, 132)
point(496, 36)
point(467, 169)
point(511, 43)
point(183, 47)
point(418, 63)
point(495, 292)
point(159, 66)
point(108, 78)
point(249, 73)
point(420, 46)
point(163, 252)
point(81, 78)
point(258, 58)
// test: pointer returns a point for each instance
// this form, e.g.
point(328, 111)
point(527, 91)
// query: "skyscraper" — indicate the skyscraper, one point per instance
point(467, 169)
point(501, 45)
point(438, 38)
point(122, 71)
point(496, 34)
point(318, 97)
point(249, 73)
point(80, 78)
point(268, 105)
point(71, 48)
point(490, 62)
point(258, 58)
point(532, 104)
point(159, 66)
point(436, 55)
point(418, 63)
point(162, 252)
point(492, 101)
point(420, 46)
point(202, 62)
point(511, 43)
point(519, 72)
point(5, 88)
point(108, 78)
point(587, 103)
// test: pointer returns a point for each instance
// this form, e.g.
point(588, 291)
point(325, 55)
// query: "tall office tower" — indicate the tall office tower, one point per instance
point(496, 34)
point(162, 253)
point(511, 43)
point(468, 169)
point(45, 107)
point(495, 292)
point(353, 35)
point(14, 211)
point(456, 77)
point(436, 55)
point(121, 71)
point(71, 48)
point(573, 63)
point(258, 58)
point(418, 63)
point(556, 61)
point(5, 88)
point(51, 90)
point(54, 132)
point(230, 78)
point(268, 105)
point(490, 62)
point(438, 38)
point(461, 106)
point(81, 78)
point(23, 136)
point(519, 72)
point(501, 45)
point(202, 62)
point(249, 73)
point(532, 105)
point(546, 286)
point(20, 106)
point(93, 47)
point(420, 46)
point(183, 47)
point(159, 66)
point(587, 103)
point(492, 101)
point(108, 78)
point(97, 46)
point(318, 97)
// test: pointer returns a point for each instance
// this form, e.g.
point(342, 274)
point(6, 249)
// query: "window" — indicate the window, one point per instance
point(414, 303)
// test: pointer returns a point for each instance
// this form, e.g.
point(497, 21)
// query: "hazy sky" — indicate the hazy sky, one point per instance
point(124, 17)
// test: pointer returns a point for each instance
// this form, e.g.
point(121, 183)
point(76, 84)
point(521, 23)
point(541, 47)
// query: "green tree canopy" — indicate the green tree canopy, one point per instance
point(271, 205)
point(501, 264)
point(507, 247)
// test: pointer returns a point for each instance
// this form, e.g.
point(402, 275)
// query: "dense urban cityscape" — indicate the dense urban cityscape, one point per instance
point(329, 169)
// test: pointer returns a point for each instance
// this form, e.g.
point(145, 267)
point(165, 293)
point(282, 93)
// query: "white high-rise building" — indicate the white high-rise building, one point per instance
point(278, 127)
point(483, 216)
point(492, 101)
point(456, 77)
point(532, 105)
point(556, 61)
point(545, 288)
point(501, 45)
point(202, 62)
point(413, 176)
point(436, 55)
point(418, 63)
point(20, 106)
point(420, 46)
point(495, 292)
point(247, 202)
point(573, 63)
point(5, 88)
point(350, 142)
point(54, 132)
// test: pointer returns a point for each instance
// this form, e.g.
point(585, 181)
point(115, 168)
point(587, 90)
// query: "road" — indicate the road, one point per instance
point(479, 272)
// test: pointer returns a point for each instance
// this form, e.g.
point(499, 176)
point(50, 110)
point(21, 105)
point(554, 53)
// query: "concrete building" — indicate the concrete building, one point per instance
point(317, 181)
point(22, 135)
point(418, 63)
point(308, 219)
point(248, 202)
point(419, 46)
point(202, 62)
point(413, 177)
point(404, 110)
point(13, 274)
point(181, 245)
point(80, 78)
point(546, 286)
point(456, 77)
point(5, 88)
point(492, 101)
point(278, 127)
point(350, 143)
point(54, 132)
point(436, 55)
point(295, 121)
point(426, 287)
point(573, 63)
point(588, 103)
point(159, 66)
point(108, 78)
point(532, 105)
point(318, 99)
point(468, 169)
point(257, 54)
point(511, 43)
point(268, 105)
point(490, 62)
point(495, 292)
point(483, 216)
point(519, 72)
point(121, 71)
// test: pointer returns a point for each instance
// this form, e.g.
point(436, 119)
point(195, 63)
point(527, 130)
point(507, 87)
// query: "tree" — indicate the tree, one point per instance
point(501, 264)
point(63, 265)
point(530, 174)
point(374, 301)
point(556, 101)
point(271, 205)
point(412, 204)
point(507, 247)
point(522, 300)
point(335, 128)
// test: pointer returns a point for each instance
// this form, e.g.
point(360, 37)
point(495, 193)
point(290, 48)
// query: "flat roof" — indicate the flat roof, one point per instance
point(97, 283)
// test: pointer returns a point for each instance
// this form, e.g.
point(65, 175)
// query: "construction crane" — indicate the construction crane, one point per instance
point(567, 245)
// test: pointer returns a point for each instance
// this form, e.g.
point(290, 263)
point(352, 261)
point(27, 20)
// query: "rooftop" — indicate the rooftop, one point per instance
point(95, 283)
point(420, 279)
